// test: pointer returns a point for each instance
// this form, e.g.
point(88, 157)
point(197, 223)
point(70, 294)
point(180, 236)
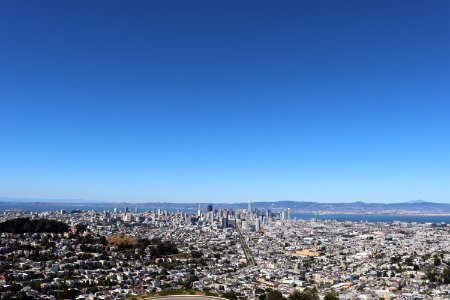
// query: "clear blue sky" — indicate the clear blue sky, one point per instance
point(225, 101)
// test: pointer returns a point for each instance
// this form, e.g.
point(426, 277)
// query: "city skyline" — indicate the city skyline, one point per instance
point(178, 101)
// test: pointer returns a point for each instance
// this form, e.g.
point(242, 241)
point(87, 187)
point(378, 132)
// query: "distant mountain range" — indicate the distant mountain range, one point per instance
point(49, 200)
point(410, 207)
point(420, 207)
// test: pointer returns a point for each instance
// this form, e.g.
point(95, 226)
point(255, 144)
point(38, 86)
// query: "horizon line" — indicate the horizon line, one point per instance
point(80, 201)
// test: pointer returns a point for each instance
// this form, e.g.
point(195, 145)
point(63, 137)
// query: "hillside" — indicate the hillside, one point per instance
point(25, 225)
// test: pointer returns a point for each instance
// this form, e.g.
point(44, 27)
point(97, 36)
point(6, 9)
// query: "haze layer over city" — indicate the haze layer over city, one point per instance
point(244, 150)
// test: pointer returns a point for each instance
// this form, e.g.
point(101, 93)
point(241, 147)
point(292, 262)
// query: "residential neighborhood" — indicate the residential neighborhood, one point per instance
point(244, 253)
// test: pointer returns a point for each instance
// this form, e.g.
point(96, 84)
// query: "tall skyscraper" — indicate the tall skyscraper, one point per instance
point(210, 207)
point(249, 208)
point(289, 214)
point(225, 222)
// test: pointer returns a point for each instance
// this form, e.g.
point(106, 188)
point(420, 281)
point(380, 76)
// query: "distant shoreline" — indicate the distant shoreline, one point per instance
point(374, 214)
point(28, 205)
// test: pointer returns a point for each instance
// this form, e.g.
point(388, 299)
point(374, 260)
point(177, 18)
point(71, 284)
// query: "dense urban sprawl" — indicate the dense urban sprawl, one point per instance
point(244, 254)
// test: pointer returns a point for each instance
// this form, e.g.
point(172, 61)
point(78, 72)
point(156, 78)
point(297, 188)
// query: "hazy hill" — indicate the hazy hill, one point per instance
point(412, 207)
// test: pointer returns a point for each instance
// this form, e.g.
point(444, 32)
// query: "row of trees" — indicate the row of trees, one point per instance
point(437, 277)
point(306, 294)
point(25, 225)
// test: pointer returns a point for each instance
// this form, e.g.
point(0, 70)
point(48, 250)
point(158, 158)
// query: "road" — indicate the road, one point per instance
point(247, 252)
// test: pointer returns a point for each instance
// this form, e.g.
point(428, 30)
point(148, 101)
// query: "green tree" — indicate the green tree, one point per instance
point(229, 295)
point(274, 295)
point(437, 261)
point(307, 294)
point(431, 275)
point(331, 296)
point(446, 276)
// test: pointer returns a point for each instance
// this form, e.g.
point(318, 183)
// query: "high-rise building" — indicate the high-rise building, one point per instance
point(211, 217)
point(243, 225)
point(225, 222)
point(127, 217)
point(289, 214)
point(249, 208)
point(210, 207)
point(257, 224)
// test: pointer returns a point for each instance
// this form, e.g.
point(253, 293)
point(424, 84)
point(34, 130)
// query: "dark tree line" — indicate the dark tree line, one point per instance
point(25, 225)
point(306, 294)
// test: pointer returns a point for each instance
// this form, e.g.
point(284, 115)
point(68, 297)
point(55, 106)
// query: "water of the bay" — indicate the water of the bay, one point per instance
point(41, 207)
